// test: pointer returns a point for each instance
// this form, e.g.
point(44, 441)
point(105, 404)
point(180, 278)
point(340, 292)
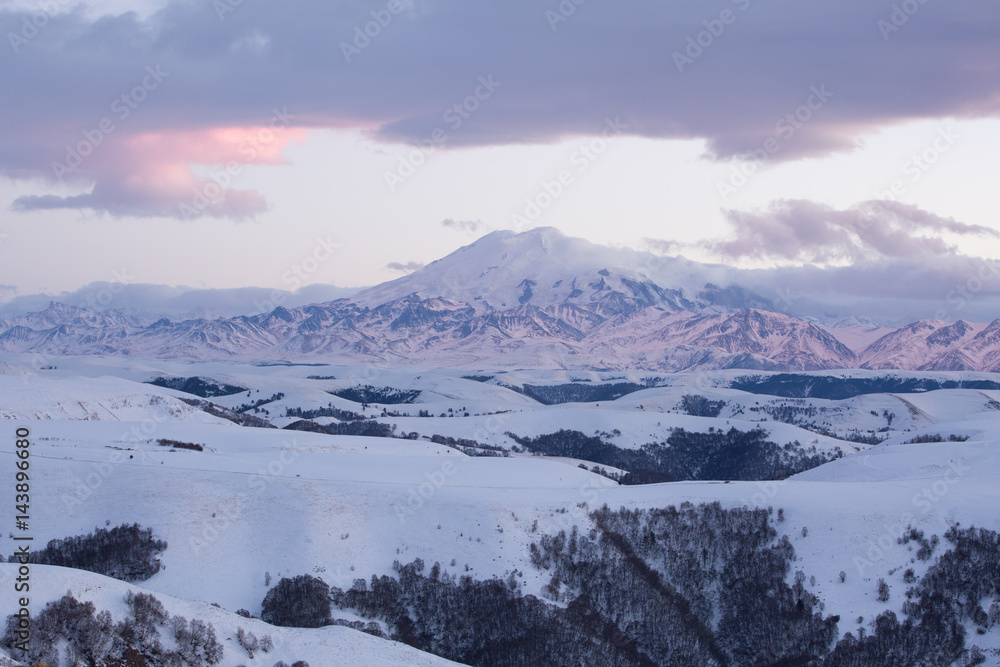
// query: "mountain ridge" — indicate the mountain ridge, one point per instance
point(533, 299)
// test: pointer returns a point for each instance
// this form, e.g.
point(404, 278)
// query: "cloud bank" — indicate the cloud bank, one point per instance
point(150, 98)
point(804, 231)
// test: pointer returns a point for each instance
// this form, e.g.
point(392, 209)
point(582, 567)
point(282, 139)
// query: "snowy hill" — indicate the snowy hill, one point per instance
point(256, 505)
point(323, 646)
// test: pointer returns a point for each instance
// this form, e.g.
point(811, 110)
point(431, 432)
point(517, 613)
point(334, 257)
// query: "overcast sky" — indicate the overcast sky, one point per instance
point(241, 143)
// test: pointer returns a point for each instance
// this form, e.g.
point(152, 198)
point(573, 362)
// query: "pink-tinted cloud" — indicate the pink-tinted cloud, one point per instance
point(751, 84)
point(152, 173)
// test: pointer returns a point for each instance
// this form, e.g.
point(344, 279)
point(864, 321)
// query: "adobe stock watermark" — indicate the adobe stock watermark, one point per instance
point(365, 373)
point(85, 487)
point(580, 161)
point(214, 189)
point(987, 272)
point(786, 128)
point(454, 117)
point(225, 7)
point(299, 273)
point(899, 17)
point(915, 167)
point(38, 362)
point(766, 491)
point(228, 514)
point(924, 500)
point(590, 494)
point(32, 25)
point(698, 44)
point(364, 34)
point(786, 297)
point(417, 496)
point(106, 296)
point(121, 108)
point(562, 12)
point(143, 431)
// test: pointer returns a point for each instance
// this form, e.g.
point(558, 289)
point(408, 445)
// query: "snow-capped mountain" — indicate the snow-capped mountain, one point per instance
point(529, 299)
point(544, 268)
point(57, 314)
point(935, 345)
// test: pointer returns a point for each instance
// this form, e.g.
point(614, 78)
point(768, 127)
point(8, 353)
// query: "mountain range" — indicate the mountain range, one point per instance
point(533, 299)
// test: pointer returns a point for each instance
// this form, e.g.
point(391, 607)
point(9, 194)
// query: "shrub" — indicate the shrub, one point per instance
point(883, 591)
point(699, 406)
point(177, 444)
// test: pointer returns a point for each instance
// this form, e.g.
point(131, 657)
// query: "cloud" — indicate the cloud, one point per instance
point(468, 226)
point(409, 267)
point(805, 231)
point(151, 302)
point(661, 246)
point(150, 174)
point(892, 291)
point(742, 87)
point(885, 260)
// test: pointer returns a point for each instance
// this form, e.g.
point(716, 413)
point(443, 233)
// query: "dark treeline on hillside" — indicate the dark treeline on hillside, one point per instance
point(578, 393)
point(478, 378)
point(327, 411)
point(366, 427)
point(126, 552)
point(794, 385)
point(687, 585)
point(204, 387)
point(694, 585)
point(384, 395)
point(256, 405)
point(717, 455)
point(68, 633)
point(950, 595)
point(700, 406)
point(240, 418)
point(699, 585)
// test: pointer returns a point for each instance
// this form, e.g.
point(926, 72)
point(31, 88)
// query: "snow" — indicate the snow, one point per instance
point(490, 271)
point(535, 299)
point(331, 645)
point(259, 501)
point(858, 337)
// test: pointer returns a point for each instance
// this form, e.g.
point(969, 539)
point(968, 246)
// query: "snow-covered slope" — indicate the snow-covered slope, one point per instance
point(332, 645)
point(260, 504)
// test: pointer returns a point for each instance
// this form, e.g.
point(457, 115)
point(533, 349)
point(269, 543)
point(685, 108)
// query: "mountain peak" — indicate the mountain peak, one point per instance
point(543, 266)
point(490, 270)
point(506, 241)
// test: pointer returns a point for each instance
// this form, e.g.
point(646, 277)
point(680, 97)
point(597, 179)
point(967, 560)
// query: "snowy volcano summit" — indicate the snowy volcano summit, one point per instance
point(543, 268)
point(534, 299)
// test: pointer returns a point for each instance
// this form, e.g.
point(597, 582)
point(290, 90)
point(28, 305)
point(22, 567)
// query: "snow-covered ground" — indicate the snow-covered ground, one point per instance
point(260, 504)
point(332, 645)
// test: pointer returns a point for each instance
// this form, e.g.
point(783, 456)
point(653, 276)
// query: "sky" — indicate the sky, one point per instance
point(227, 144)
